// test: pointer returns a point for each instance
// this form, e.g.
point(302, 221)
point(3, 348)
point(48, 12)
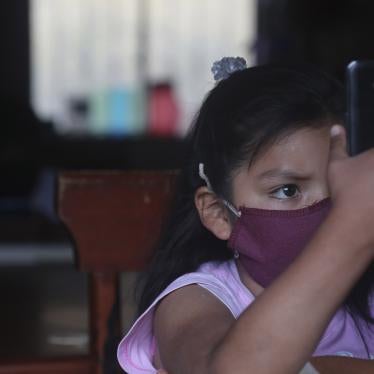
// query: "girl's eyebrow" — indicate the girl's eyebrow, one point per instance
point(283, 173)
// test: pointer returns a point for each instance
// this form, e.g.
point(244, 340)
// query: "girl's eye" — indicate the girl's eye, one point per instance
point(287, 191)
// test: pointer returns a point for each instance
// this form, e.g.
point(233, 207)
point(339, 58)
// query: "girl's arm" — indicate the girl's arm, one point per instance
point(280, 330)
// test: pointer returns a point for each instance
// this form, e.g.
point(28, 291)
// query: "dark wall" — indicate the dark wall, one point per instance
point(14, 50)
point(328, 33)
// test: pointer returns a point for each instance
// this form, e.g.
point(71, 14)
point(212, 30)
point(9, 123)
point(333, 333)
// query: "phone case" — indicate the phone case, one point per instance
point(360, 106)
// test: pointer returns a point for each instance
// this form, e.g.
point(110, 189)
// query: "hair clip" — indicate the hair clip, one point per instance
point(223, 68)
point(204, 177)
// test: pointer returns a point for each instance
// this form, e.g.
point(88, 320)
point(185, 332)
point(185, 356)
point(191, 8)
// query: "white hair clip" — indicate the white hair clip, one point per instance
point(204, 177)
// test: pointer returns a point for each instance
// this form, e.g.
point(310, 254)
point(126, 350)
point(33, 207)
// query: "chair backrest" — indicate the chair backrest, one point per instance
point(114, 216)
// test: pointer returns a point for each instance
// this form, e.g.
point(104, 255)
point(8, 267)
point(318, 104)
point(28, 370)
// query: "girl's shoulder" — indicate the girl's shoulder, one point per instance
point(222, 279)
point(137, 348)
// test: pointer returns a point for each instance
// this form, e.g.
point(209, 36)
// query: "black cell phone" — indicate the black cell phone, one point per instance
point(360, 106)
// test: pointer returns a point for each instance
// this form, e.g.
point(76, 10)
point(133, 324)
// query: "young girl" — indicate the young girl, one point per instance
point(265, 263)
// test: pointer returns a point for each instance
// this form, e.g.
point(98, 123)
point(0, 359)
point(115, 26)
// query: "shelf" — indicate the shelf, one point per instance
point(97, 153)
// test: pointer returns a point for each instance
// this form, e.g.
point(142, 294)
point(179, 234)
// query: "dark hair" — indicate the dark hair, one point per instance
point(239, 118)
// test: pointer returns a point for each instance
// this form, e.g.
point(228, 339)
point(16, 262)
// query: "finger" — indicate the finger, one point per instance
point(338, 143)
point(162, 371)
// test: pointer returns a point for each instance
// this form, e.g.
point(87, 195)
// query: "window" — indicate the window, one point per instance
point(93, 61)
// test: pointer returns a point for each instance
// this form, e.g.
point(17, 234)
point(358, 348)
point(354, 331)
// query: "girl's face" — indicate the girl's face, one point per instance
point(291, 174)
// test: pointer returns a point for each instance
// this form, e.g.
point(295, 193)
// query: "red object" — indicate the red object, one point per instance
point(163, 112)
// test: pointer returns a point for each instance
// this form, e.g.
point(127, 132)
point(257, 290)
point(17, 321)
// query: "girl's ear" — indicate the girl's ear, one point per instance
point(213, 213)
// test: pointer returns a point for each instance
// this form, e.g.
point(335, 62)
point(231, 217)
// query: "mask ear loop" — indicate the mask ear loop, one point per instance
point(237, 213)
point(231, 207)
point(205, 178)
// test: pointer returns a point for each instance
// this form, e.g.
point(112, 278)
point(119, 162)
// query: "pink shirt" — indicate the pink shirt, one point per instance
point(137, 348)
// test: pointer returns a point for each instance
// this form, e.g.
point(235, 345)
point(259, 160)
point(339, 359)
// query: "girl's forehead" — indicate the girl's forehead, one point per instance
point(303, 149)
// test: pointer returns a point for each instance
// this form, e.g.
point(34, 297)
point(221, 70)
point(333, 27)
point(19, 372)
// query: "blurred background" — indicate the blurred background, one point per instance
point(114, 84)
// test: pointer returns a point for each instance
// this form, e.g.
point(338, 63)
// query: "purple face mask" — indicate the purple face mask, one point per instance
point(268, 241)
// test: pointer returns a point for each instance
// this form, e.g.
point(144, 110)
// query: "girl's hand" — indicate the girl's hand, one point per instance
point(351, 182)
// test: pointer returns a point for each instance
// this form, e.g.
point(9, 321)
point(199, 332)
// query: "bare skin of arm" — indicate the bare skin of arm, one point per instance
point(188, 323)
point(280, 330)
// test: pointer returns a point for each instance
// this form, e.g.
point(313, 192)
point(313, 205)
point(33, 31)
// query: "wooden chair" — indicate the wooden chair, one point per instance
point(114, 218)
